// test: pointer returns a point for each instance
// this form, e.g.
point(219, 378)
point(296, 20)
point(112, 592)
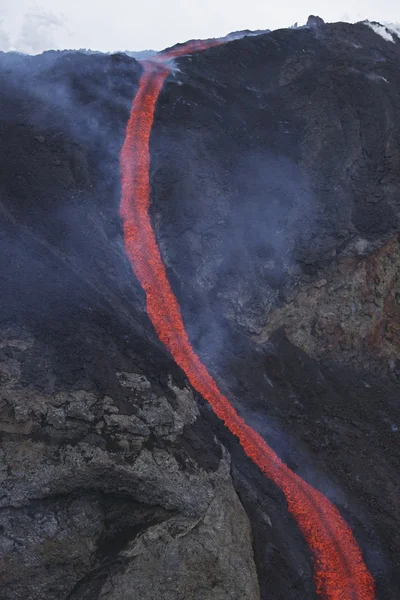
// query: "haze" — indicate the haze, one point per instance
point(132, 25)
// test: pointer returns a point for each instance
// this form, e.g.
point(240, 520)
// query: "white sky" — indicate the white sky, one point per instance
point(109, 25)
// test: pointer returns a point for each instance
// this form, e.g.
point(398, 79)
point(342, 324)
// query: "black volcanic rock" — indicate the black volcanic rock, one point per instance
point(314, 21)
point(276, 201)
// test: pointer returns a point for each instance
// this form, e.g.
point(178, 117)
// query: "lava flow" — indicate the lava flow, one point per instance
point(340, 573)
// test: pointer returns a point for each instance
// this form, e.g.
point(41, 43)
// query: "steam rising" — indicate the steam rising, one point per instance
point(389, 31)
point(38, 30)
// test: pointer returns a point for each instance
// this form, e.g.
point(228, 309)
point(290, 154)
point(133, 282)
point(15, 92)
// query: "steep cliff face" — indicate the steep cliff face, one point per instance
point(275, 199)
point(102, 491)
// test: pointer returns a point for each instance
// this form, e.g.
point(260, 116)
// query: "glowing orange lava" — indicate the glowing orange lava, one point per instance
point(340, 572)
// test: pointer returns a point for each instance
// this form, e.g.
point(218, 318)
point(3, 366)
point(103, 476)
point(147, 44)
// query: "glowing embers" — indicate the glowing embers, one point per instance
point(340, 573)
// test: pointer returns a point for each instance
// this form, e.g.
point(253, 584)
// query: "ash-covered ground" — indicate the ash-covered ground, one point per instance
point(275, 172)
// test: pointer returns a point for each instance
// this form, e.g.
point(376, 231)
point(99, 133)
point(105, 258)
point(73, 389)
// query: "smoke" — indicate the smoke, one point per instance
point(32, 33)
point(239, 230)
point(141, 54)
point(394, 28)
point(39, 30)
point(73, 91)
point(4, 37)
point(238, 35)
point(64, 114)
point(389, 31)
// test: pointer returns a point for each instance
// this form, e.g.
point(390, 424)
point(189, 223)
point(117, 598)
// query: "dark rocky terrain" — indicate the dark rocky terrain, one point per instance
point(276, 201)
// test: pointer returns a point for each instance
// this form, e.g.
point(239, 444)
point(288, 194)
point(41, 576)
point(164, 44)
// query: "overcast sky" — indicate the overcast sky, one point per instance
point(132, 25)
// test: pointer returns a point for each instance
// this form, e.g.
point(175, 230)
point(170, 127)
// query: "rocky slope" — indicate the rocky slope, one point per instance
point(276, 200)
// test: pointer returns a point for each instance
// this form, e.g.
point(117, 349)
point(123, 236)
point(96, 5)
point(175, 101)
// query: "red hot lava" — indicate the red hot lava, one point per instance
point(340, 573)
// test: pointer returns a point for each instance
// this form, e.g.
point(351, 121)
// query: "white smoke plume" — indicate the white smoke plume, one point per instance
point(394, 28)
point(39, 30)
point(4, 37)
point(389, 31)
point(32, 31)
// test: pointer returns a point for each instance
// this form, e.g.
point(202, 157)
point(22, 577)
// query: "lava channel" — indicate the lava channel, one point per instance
point(339, 569)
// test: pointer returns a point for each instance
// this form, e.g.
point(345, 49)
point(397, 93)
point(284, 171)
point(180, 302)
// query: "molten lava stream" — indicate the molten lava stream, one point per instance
point(340, 573)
